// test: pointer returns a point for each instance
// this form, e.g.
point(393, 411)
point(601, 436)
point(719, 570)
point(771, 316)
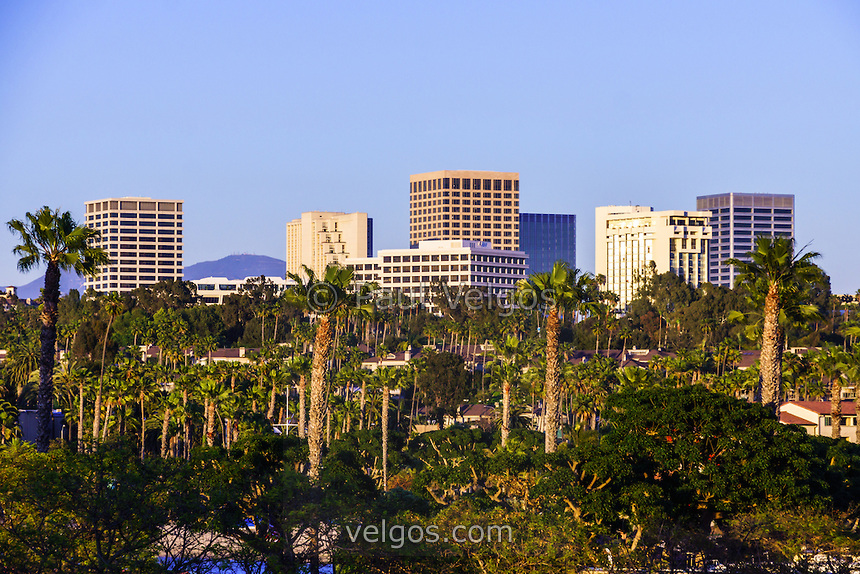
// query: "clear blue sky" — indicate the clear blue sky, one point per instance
point(253, 112)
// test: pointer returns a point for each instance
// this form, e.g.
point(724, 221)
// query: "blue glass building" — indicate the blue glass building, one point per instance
point(548, 237)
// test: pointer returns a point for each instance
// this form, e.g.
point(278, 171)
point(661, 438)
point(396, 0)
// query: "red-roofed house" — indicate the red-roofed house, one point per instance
point(814, 416)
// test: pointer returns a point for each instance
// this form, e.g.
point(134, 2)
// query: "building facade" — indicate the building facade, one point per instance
point(143, 237)
point(737, 218)
point(213, 290)
point(459, 264)
point(629, 237)
point(320, 238)
point(547, 238)
point(473, 205)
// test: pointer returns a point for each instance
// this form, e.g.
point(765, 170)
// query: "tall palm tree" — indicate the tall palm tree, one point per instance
point(113, 306)
point(55, 239)
point(777, 279)
point(506, 373)
point(326, 299)
point(562, 289)
point(389, 378)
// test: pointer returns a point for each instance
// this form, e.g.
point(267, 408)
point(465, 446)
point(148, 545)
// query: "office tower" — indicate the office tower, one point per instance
point(456, 262)
point(463, 204)
point(629, 237)
point(143, 237)
point(548, 237)
point(320, 238)
point(737, 218)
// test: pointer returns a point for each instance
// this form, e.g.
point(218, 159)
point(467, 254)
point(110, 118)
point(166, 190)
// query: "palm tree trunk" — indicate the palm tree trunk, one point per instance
point(142, 430)
point(270, 413)
point(363, 404)
point(836, 407)
point(186, 439)
point(506, 412)
point(210, 422)
point(107, 418)
point(551, 390)
point(47, 340)
point(322, 348)
point(81, 416)
point(385, 399)
point(303, 384)
point(770, 374)
point(165, 431)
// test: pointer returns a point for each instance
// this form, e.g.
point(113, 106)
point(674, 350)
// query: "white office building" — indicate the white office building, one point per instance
point(458, 263)
point(213, 290)
point(629, 237)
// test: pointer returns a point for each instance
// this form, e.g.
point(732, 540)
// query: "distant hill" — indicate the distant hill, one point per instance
point(231, 267)
point(237, 267)
point(33, 289)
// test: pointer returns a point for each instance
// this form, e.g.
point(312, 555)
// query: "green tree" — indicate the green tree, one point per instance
point(777, 279)
point(443, 383)
point(55, 239)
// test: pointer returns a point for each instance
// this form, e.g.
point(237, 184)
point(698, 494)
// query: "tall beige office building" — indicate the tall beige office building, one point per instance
point(463, 204)
point(629, 237)
point(143, 237)
point(320, 238)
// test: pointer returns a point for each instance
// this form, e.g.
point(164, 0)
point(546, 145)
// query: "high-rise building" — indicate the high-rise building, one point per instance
point(629, 237)
point(320, 238)
point(143, 237)
point(547, 238)
point(474, 205)
point(737, 218)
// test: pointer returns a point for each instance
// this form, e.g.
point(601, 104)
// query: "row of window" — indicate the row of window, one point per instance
point(150, 279)
point(465, 183)
point(757, 210)
point(427, 279)
point(98, 216)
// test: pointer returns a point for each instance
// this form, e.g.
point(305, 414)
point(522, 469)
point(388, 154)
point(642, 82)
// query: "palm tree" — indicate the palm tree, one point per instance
point(326, 299)
point(831, 363)
point(777, 280)
point(506, 373)
point(302, 366)
point(389, 378)
point(563, 288)
point(55, 239)
point(852, 371)
point(113, 306)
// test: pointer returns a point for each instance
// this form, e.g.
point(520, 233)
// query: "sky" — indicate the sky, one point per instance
point(253, 112)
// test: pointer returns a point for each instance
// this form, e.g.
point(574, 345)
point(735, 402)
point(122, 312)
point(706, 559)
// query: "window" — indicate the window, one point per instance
point(487, 184)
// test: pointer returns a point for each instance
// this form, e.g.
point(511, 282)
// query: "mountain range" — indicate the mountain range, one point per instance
point(231, 267)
